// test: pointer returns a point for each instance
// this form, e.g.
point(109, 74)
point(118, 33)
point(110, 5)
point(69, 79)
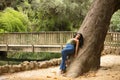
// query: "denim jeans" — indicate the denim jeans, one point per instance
point(69, 49)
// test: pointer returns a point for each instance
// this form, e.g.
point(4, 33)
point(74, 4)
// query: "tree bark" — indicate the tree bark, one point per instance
point(94, 29)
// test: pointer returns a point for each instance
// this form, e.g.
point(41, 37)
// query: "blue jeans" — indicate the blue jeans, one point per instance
point(69, 49)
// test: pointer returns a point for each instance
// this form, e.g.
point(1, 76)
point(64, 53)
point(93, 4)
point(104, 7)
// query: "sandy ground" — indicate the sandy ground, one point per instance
point(110, 70)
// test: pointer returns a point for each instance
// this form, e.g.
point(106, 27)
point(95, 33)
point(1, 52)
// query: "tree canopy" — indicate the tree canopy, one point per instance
point(55, 15)
point(115, 22)
point(52, 15)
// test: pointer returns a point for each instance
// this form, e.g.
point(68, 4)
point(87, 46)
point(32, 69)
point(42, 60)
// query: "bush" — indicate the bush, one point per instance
point(33, 56)
point(13, 21)
point(17, 58)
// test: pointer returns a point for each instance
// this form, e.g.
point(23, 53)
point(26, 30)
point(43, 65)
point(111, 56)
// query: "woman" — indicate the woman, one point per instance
point(72, 47)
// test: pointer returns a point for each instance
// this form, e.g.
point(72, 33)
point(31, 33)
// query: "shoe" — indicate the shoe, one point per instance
point(67, 63)
point(62, 71)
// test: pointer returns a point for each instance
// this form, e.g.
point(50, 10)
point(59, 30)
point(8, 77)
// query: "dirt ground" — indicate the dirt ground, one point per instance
point(110, 70)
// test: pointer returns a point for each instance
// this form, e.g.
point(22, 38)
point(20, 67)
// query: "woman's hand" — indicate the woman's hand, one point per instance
point(75, 55)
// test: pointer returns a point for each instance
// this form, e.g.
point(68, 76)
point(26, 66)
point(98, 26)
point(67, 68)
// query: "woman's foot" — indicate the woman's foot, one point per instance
point(62, 71)
point(67, 62)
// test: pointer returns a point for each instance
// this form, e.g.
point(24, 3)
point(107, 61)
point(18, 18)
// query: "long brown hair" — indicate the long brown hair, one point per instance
point(81, 41)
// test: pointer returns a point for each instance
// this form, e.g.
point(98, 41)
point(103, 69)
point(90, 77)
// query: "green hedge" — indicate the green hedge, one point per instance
point(16, 58)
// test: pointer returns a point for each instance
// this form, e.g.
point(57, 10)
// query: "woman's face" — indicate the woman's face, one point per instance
point(77, 36)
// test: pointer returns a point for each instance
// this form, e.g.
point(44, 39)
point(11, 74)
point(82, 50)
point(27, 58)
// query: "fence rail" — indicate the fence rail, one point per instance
point(45, 41)
point(41, 38)
point(112, 40)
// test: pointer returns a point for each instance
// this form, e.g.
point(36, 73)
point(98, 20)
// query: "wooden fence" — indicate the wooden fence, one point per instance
point(41, 38)
point(112, 40)
point(34, 42)
point(45, 41)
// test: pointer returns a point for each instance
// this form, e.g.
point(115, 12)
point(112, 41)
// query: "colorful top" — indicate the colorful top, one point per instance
point(71, 41)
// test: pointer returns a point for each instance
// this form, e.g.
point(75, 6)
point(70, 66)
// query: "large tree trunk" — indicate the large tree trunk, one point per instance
point(94, 29)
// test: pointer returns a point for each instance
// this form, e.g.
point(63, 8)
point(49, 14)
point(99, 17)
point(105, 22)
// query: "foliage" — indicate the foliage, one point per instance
point(53, 15)
point(76, 11)
point(50, 16)
point(16, 58)
point(13, 21)
point(33, 56)
point(54, 25)
point(57, 15)
point(115, 22)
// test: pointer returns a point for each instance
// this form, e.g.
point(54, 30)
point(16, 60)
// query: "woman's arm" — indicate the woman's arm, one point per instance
point(77, 47)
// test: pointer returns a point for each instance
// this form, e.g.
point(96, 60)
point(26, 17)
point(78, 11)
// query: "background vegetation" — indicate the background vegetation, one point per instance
point(13, 21)
point(47, 15)
point(18, 57)
point(115, 22)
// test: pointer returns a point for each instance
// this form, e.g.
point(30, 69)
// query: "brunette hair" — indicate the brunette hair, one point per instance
point(81, 41)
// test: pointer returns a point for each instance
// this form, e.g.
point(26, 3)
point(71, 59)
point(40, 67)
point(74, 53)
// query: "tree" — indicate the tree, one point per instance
point(115, 22)
point(60, 15)
point(94, 29)
point(57, 15)
point(51, 14)
point(7, 3)
point(76, 11)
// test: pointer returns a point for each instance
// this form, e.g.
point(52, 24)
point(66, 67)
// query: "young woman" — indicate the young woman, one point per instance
point(71, 47)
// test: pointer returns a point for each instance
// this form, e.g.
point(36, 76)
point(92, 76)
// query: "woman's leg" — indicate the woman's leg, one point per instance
point(64, 57)
point(65, 52)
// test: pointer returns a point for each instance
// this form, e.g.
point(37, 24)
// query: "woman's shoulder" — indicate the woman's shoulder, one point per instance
point(70, 40)
point(75, 39)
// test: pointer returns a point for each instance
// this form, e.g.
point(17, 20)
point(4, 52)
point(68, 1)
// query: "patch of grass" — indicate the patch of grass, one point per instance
point(16, 58)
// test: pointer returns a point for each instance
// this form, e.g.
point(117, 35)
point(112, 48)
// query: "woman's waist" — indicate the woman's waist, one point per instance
point(69, 44)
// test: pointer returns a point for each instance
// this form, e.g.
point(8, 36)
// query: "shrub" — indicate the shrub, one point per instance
point(13, 21)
